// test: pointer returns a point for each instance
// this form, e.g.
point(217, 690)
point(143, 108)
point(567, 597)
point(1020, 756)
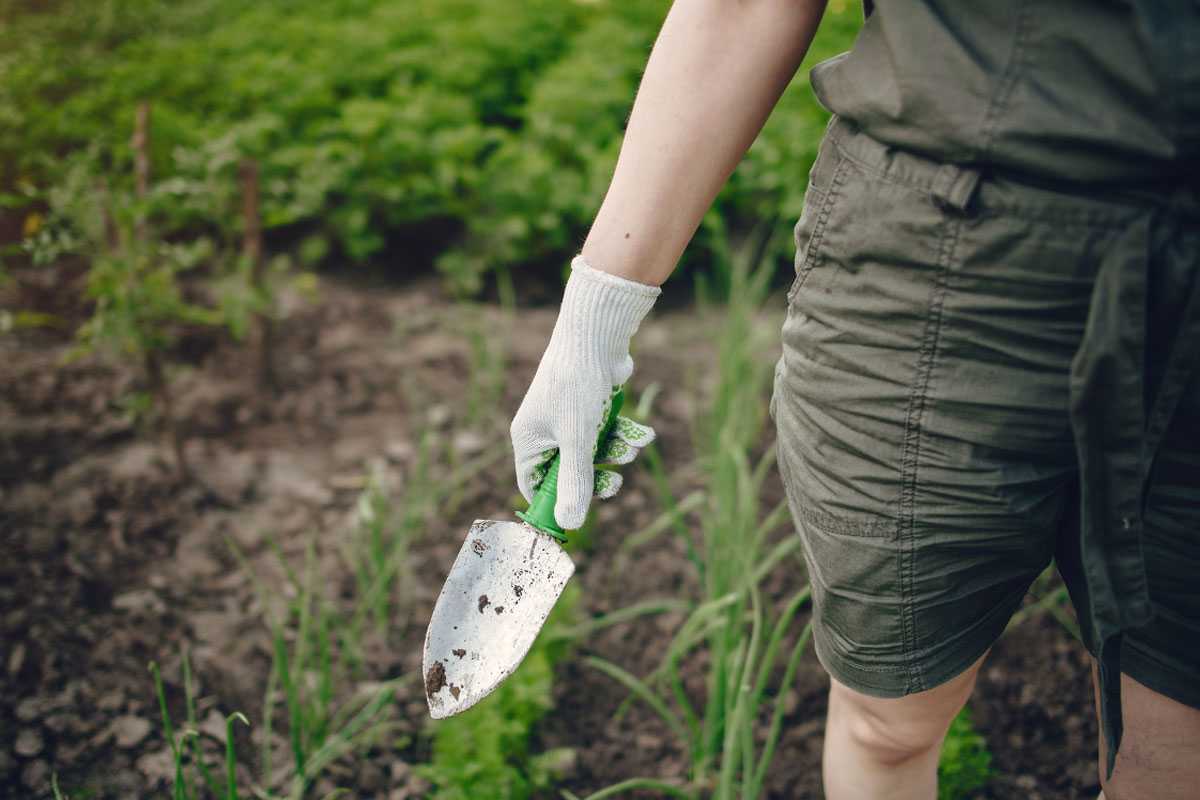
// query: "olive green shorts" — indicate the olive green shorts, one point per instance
point(921, 404)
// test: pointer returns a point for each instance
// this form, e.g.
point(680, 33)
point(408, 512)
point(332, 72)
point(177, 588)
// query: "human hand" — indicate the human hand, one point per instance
point(567, 402)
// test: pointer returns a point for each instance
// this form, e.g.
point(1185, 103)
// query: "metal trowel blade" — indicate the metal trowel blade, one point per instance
point(505, 580)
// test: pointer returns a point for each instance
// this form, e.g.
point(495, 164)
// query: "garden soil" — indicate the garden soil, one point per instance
point(111, 560)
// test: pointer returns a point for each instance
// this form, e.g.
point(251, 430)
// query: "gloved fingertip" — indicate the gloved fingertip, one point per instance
point(608, 483)
point(569, 516)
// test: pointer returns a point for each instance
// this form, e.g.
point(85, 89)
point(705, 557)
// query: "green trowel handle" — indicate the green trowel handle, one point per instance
point(540, 513)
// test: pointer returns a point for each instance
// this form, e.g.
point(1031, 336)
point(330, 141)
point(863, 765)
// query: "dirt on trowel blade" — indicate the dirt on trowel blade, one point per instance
point(435, 679)
point(496, 597)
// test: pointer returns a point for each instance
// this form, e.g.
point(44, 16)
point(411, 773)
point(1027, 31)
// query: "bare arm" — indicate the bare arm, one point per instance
point(717, 69)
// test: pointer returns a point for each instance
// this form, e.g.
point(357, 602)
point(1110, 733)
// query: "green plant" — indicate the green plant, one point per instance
point(965, 763)
point(544, 181)
point(322, 722)
point(317, 643)
point(477, 135)
point(377, 551)
point(182, 788)
point(1051, 596)
point(138, 303)
point(354, 144)
point(487, 365)
point(146, 288)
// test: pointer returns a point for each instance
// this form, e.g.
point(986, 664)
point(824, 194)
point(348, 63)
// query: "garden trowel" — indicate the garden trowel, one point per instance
point(504, 582)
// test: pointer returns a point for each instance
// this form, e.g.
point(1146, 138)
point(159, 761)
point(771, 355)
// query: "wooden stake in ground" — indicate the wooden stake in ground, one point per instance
point(252, 251)
point(140, 143)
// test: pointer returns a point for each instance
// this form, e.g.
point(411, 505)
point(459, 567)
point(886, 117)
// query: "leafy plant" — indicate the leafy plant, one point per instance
point(965, 764)
point(476, 135)
point(139, 305)
point(544, 181)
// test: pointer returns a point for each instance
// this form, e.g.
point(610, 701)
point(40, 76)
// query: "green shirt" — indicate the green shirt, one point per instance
point(1075, 90)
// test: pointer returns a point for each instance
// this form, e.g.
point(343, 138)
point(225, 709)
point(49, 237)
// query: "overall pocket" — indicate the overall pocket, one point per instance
point(819, 198)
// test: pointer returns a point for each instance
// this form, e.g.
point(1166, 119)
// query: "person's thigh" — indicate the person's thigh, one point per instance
point(1159, 755)
point(921, 406)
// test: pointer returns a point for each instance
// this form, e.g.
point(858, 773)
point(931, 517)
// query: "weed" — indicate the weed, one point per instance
point(314, 648)
point(322, 725)
point(377, 551)
point(182, 789)
point(965, 763)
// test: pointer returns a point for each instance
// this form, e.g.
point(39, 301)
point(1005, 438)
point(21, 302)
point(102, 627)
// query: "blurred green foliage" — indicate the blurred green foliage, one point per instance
point(965, 765)
point(480, 131)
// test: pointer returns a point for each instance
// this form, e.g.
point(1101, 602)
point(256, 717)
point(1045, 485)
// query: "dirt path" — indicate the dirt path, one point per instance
point(111, 561)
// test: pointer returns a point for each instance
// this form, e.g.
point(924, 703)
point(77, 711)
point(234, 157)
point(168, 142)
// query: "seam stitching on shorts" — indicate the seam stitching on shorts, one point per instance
point(1098, 219)
point(812, 253)
point(866, 528)
point(1008, 80)
point(924, 189)
point(1054, 216)
point(910, 454)
point(848, 665)
point(879, 174)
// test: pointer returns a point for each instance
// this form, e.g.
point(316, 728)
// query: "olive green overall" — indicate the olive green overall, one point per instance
point(991, 355)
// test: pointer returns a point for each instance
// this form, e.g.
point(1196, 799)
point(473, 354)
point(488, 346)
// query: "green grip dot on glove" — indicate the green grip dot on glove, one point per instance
point(622, 445)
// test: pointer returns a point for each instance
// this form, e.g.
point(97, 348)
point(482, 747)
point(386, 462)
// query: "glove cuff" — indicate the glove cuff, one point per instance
point(579, 264)
point(609, 308)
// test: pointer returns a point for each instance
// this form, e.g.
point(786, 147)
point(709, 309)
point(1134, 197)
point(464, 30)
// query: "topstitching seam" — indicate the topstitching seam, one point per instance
point(814, 244)
point(910, 455)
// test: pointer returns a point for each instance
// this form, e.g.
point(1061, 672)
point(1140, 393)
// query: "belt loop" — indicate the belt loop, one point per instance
point(954, 185)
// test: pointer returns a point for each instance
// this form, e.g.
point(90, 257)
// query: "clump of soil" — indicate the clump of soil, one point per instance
point(435, 679)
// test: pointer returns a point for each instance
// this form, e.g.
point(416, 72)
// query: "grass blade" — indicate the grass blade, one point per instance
point(643, 691)
point(230, 756)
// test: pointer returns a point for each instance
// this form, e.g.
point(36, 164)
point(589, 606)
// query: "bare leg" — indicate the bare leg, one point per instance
point(879, 748)
point(1159, 757)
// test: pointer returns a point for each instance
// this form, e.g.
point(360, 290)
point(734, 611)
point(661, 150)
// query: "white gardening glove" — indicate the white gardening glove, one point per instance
point(567, 402)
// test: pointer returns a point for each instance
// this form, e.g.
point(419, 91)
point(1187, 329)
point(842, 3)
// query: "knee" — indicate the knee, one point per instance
point(890, 741)
point(894, 731)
